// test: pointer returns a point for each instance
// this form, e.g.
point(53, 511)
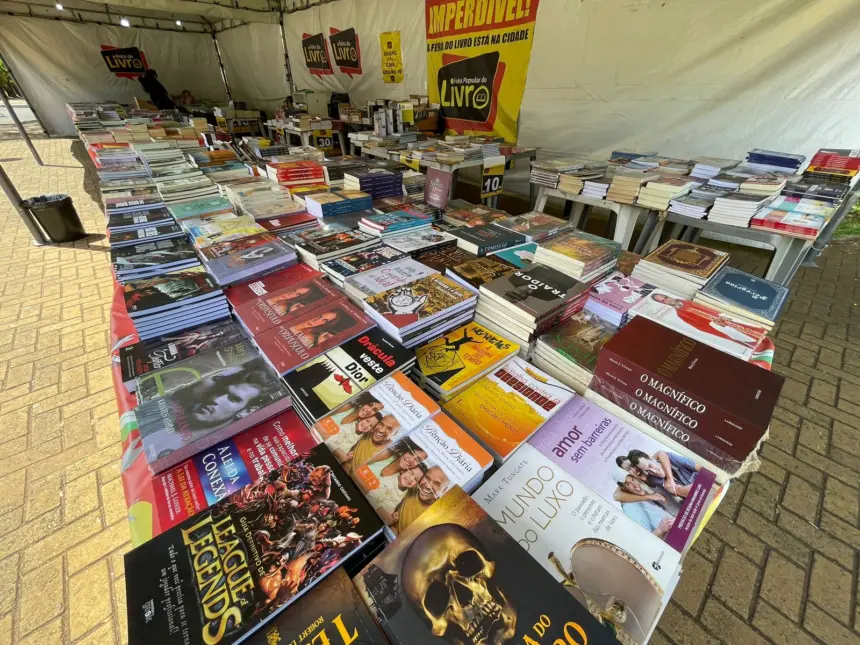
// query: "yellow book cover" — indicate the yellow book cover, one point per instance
point(461, 355)
point(505, 408)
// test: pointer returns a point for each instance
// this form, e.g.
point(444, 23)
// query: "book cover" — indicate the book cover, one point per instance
point(139, 218)
point(341, 373)
point(278, 222)
point(665, 493)
point(355, 263)
point(505, 408)
point(534, 226)
point(371, 422)
point(480, 270)
point(405, 479)
point(179, 425)
point(702, 323)
point(699, 261)
point(332, 613)
point(139, 235)
point(141, 358)
point(226, 572)
point(243, 294)
point(286, 304)
point(241, 265)
point(437, 189)
point(169, 289)
point(747, 292)
point(388, 276)
point(426, 239)
point(487, 238)
point(209, 476)
point(407, 305)
point(627, 261)
point(217, 363)
point(619, 574)
point(200, 208)
point(152, 254)
point(396, 221)
point(442, 259)
point(580, 338)
point(290, 345)
point(619, 292)
point(520, 256)
point(537, 291)
point(685, 381)
point(455, 575)
point(224, 249)
point(320, 242)
point(460, 355)
point(589, 250)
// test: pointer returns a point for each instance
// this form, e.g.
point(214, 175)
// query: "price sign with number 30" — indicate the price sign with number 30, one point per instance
point(492, 177)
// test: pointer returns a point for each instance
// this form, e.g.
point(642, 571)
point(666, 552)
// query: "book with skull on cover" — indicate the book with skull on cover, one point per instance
point(455, 575)
point(228, 572)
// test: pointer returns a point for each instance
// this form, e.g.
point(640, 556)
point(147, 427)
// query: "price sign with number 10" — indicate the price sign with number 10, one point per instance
point(492, 177)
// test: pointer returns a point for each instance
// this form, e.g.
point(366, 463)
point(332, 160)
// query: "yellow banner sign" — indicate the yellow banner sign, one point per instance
point(477, 61)
point(392, 57)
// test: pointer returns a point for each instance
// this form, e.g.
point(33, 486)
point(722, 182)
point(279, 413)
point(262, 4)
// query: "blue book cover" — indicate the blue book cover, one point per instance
point(398, 220)
point(199, 208)
point(520, 256)
point(740, 289)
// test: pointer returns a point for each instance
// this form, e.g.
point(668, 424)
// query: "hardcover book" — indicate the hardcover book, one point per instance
point(142, 358)
point(179, 425)
point(535, 293)
point(225, 573)
point(290, 345)
point(324, 383)
point(332, 613)
point(481, 240)
point(360, 429)
point(286, 304)
point(405, 479)
point(505, 408)
point(680, 387)
point(455, 575)
point(412, 304)
point(660, 490)
point(388, 276)
point(743, 292)
point(619, 574)
point(688, 258)
point(461, 356)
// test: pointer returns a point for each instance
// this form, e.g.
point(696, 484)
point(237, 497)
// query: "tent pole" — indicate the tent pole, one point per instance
point(221, 65)
point(20, 126)
point(25, 215)
point(287, 69)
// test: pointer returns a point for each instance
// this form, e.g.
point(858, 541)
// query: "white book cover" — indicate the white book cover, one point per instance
point(388, 276)
point(611, 566)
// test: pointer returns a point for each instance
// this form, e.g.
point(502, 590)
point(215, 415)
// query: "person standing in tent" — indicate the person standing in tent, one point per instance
point(157, 92)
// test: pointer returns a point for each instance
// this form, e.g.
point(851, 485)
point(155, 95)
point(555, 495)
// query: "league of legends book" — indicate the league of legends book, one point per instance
point(606, 561)
point(229, 572)
point(455, 575)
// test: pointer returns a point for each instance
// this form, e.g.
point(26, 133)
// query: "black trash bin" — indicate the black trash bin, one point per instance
point(57, 216)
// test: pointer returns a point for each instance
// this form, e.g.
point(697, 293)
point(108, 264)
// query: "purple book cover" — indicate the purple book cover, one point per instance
point(658, 489)
point(619, 292)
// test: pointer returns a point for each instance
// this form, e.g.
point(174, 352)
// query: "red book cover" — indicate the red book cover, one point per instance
point(438, 187)
point(233, 246)
point(250, 291)
point(721, 399)
point(286, 304)
point(288, 346)
point(286, 222)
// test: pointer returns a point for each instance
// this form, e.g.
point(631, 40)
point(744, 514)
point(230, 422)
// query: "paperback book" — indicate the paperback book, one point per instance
point(281, 306)
point(488, 238)
point(426, 240)
point(534, 226)
point(613, 297)
point(521, 256)
point(442, 259)
point(347, 266)
point(736, 292)
point(389, 276)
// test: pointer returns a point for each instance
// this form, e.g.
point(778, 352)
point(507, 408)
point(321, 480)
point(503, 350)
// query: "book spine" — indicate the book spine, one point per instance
point(605, 387)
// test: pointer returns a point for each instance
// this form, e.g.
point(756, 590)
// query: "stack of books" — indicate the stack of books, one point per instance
point(727, 182)
point(833, 166)
point(569, 351)
point(132, 237)
point(485, 239)
point(339, 269)
point(764, 161)
point(811, 205)
point(640, 369)
point(626, 184)
point(395, 223)
point(209, 231)
point(176, 191)
point(377, 182)
point(337, 203)
point(386, 276)
point(506, 407)
point(527, 302)
point(573, 181)
point(595, 188)
point(707, 191)
point(472, 215)
point(327, 242)
point(421, 241)
point(414, 312)
point(238, 260)
point(746, 297)
point(763, 185)
point(801, 225)
point(612, 298)
point(701, 322)
point(126, 195)
point(546, 173)
point(335, 169)
point(680, 267)
point(414, 183)
point(174, 301)
point(151, 259)
point(580, 255)
point(473, 273)
point(296, 173)
point(534, 226)
point(737, 209)
point(707, 167)
point(692, 206)
point(658, 193)
point(451, 363)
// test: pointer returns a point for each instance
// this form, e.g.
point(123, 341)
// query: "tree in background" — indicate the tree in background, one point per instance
point(7, 82)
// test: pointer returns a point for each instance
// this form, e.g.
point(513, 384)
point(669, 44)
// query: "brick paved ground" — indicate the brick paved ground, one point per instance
point(778, 563)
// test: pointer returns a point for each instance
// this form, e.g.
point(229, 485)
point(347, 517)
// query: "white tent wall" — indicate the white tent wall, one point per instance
point(58, 62)
point(686, 77)
point(253, 58)
point(369, 18)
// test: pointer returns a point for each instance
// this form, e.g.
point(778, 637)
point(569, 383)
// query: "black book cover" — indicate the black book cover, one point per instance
point(331, 613)
point(152, 254)
point(489, 237)
point(455, 575)
point(325, 383)
point(143, 234)
point(537, 291)
point(221, 575)
point(168, 289)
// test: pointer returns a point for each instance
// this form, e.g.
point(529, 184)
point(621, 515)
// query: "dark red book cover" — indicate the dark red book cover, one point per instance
point(722, 399)
point(250, 291)
point(438, 187)
point(286, 221)
point(286, 304)
point(288, 346)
